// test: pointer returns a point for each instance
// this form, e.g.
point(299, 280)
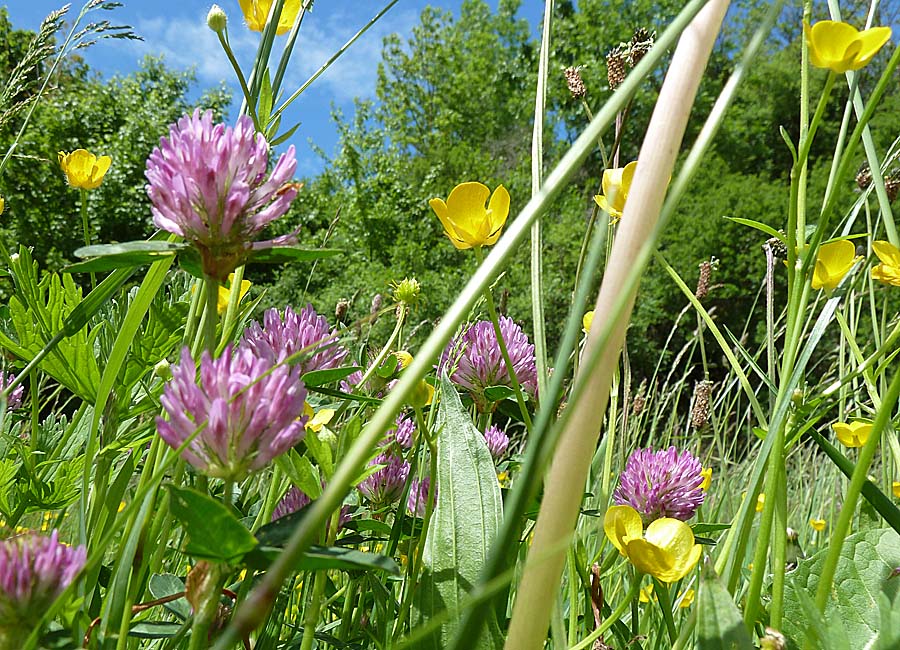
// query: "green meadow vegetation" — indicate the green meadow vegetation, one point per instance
point(579, 339)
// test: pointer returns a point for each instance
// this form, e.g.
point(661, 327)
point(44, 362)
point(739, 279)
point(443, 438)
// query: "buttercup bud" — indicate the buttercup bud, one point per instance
point(216, 19)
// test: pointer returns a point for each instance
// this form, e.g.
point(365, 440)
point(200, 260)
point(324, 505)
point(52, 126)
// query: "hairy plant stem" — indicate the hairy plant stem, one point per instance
point(211, 316)
point(504, 352)
point(395, 334)
point(537, 176)
point(86, 226)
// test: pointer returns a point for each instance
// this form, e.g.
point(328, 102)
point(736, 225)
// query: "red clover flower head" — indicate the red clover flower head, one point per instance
point(497, 442)
point(404, 430)
point(417, 500)
point(14, 399)
point(385, 486)
point(296, 499)
point(280, 338)
point(207, 183)
point(248, 412)
point(34, 571)
point(479, 363)
point(661, 484)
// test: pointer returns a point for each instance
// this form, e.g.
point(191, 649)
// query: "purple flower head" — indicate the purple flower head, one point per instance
point(418, 497)
point(14, 399)
point(385, 486)
point(34, 571)
point(296, 499)
point(661, 484)
point(497, 442)
point(248, 414)
point(404, 430)
point(283, 337)
point(207, 183)
point(479, 364)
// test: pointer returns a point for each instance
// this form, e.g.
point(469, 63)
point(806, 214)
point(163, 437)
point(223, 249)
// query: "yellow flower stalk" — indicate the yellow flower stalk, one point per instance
point(818, 525)
point(666, 550)
point(467, 223)
point(840, 47)
point(225, 294)
point(889, 269)
point(616, 184)
point(83, 169)
point(707, 478)
point(853, 434)
point(833, 262)
point(257, 11)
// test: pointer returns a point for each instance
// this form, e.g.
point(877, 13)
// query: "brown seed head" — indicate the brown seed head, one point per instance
point(700, 410)
point(703, 280)
point(615, 65)
point(641, 43)
point(864, 176)
point(575, 82)
point(892, 184)
point(341, 309)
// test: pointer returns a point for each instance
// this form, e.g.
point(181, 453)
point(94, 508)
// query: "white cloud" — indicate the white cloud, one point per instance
point(188, 42)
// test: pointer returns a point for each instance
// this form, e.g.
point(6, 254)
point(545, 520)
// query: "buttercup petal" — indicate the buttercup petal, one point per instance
point(871, 40)
point(673, 535)
point(832, 45)
point(887, 252)
point(443, 214)
point(621, 524)
point(498, 209)
point(466, 203)
point(651, 559)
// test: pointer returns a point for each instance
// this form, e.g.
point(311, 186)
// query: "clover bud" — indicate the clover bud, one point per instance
point(217, 19)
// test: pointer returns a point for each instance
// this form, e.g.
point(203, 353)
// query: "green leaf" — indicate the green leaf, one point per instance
point(166, 584)
point(861, 584)
point(282, 254)
point(285, 136)
point(328, 376)
point(499, 393)
point(154, 630)
point(325, 558)
point(758, 225)
point(720, 625)
point(213, 532)
point(465, 522)
point(703, 529)
point(264, 108)
point(321, 452)
point(106, 257)
point(301, 472)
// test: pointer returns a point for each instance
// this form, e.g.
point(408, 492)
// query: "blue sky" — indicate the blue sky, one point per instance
point(177, 30)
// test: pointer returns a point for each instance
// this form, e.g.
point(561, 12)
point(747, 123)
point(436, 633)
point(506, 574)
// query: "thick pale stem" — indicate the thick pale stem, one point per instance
point(568, 473)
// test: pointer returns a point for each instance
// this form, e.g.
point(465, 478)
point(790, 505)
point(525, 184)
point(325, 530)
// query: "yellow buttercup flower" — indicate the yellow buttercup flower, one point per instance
point(257, 11)
point(707, 478)
point(895, 488)
point(2, 204)
point(646, 594)
point(587, 320)
point(225, 294)
point(818, 525)
point(840, 47)
point(467, 223)
point(421, 396)
point(616, 183)
point(889, 269)
point(853, 434)
point(687, 598)
point(833, 262)
point(760, 502)
point(83, 169)
point(666, 550)
point(319, 420)
point(404, 358)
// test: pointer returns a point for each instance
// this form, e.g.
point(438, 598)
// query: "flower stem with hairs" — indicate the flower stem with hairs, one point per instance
point(492, 312)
